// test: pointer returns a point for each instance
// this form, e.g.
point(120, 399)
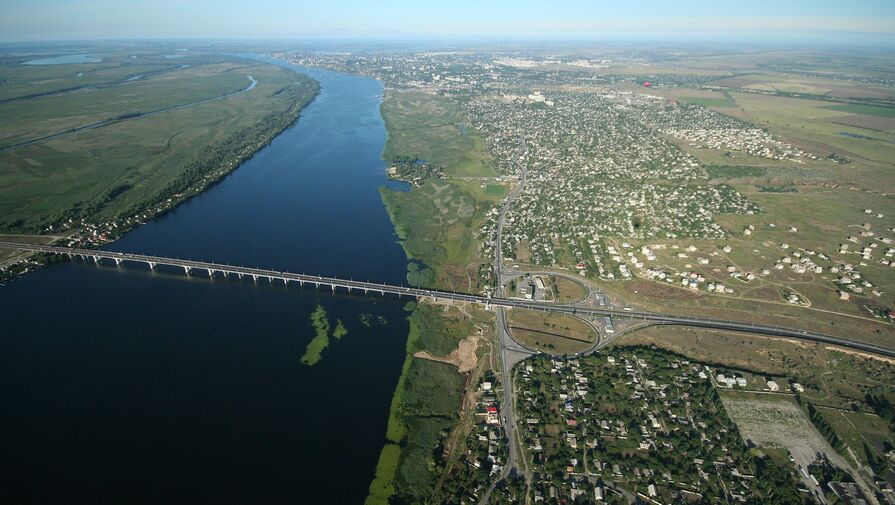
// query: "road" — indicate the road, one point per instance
point(510, 351)
point(575, 309)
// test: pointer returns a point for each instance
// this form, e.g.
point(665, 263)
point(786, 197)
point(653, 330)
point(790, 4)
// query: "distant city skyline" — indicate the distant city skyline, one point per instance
point(795, 21)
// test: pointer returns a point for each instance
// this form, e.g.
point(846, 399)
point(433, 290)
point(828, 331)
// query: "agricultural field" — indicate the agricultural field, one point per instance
point(107, 172)
point(803, 85)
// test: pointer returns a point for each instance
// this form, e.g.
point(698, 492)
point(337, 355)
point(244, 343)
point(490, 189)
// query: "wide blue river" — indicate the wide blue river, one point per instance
point(121, 385)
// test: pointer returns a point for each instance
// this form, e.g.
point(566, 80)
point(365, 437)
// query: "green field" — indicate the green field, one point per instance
point(436, 223)
point(117, 66)
point(871, 110)
point(495, 189)
point(424, 407)
point(112, 171)
point(553, 333)
point(568, 290)
point(830, 378)
point(56, 113)
point(823, 199)
point(428, 127)
point(860, 432)
point(708, 102)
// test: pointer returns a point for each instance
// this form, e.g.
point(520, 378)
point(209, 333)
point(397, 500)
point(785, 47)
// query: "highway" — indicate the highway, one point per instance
point(583, 310)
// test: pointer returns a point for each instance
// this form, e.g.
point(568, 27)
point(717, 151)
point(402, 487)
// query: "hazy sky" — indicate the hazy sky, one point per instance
point(35, 20)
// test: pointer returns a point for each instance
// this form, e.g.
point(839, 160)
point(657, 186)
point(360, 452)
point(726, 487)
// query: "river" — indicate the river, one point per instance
point(128, 386)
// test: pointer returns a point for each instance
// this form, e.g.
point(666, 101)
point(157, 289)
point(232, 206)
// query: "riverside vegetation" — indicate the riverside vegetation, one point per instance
point(436, 221)
point(94, 185)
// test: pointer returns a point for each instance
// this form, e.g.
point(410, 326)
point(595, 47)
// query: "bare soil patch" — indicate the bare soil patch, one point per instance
point(463, 357)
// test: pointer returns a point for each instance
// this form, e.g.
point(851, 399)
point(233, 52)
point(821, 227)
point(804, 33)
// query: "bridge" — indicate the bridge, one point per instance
point(353, 286)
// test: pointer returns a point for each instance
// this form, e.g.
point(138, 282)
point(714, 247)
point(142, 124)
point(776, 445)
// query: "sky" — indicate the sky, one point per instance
point(756, 20)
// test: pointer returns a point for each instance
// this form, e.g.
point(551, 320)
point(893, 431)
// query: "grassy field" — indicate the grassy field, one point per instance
point(425, 406)
point(438, 221)
point(132, 159)
point(804, 85)
point(430, 127)
point(813, 125)
point(495, 189)
point(568, 290)
point(857, 429)
point(831, 378)
point(52, 114)
point(864, 109)
point(437, 224)
point(118, 65)
point(555, 333)
point(707, 102)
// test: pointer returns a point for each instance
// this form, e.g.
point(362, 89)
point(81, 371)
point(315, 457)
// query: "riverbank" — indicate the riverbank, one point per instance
point(437, 222)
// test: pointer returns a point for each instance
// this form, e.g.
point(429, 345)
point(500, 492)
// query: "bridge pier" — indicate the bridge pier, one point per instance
point(151, 265)
point(210, 272)
point(254, 277)
point(186, 270)
point(96, 259)
point(118, 261)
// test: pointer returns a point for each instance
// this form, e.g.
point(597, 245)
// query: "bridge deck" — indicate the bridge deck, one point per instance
point(367, 287)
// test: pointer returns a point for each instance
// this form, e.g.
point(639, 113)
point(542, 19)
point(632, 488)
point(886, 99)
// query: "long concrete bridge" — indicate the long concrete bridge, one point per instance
point(352, 286)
